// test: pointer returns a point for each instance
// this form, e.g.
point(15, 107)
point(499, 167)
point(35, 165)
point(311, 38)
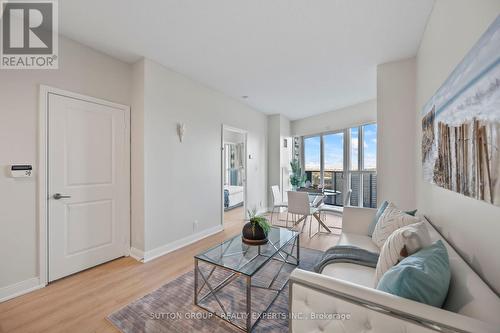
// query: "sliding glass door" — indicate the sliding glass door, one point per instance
point(312, 160)
point(333, 168)
point(363, 167)
point(342, 161)
point(354, 175)
point(369, 166)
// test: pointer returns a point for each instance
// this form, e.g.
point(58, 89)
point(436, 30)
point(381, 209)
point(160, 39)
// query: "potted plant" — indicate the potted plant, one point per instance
point(297, 179)
point(255, 232)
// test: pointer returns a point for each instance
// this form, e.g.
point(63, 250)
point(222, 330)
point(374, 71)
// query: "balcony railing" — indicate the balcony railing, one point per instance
point(361, 181)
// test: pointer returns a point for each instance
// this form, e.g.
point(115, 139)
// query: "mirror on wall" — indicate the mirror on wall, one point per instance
point(234, 163)
point(234, 176)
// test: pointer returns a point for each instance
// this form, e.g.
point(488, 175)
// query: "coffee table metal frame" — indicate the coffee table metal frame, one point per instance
point(280, 254)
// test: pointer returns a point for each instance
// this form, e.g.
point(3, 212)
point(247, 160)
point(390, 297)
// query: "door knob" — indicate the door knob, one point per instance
point(58, 196)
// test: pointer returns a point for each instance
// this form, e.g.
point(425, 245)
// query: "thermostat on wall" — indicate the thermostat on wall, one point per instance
point(21, 171)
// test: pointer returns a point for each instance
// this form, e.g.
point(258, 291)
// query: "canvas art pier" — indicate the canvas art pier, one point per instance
point(461, 125)
point(467, 156)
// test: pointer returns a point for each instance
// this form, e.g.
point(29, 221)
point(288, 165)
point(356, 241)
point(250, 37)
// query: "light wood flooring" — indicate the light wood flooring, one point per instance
point(81, 302)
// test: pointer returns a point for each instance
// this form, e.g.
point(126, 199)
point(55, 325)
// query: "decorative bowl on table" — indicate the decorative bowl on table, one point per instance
point(255, 232)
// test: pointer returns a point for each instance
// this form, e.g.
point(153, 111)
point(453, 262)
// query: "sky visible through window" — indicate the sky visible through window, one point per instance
point(334, 151)
point(333, 146)
point(370, 146)
point(312, 151)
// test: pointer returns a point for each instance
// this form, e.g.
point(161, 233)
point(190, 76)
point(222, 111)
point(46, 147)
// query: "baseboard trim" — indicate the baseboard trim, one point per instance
point(137, 254)
point(167, 248)
point(20, 288)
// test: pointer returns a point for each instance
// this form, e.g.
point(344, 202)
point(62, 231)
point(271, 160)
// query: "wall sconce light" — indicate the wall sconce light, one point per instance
point(181, 129)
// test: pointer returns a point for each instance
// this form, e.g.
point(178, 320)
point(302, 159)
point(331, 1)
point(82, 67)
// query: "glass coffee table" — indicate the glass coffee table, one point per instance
point(239, 260)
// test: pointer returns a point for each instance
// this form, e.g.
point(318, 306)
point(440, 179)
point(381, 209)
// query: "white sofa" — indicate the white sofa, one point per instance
point(343, 288)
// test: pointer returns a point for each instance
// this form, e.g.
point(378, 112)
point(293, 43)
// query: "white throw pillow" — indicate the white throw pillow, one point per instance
point(401, 243)
point(392, 219)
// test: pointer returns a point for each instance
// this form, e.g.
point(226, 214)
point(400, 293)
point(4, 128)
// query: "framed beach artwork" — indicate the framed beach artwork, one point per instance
point(461, 124)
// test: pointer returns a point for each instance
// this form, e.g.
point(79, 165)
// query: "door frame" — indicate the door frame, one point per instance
point(225, 127)
point(43, 168)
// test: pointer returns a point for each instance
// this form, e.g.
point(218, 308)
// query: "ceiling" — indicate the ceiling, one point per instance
point(294, 57)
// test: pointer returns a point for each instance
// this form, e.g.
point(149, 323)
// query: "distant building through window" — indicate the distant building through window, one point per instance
point(344, 160)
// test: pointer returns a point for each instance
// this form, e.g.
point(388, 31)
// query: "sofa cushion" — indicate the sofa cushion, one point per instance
point(354, 273)
point(391, 220)
point(401, 243)
point(379, 213)
point(361, 241)
point(423, 277)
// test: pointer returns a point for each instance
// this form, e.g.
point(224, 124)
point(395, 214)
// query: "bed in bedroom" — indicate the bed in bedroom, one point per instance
point(233, 196)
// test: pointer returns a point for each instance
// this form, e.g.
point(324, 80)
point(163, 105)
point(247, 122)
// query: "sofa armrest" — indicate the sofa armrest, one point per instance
point(356, 220)
point(368, 309)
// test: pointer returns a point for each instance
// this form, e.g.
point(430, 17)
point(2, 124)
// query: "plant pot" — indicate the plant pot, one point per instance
point(252, 234)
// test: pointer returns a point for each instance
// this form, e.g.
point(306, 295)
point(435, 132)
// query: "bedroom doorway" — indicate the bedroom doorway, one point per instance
point(234, 174)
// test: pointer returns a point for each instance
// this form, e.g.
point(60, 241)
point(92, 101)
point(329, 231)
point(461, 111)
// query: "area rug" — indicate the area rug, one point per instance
point(171, 307)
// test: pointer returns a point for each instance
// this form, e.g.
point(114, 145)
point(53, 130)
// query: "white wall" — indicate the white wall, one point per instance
point(472, 225)
point(81, 70)
point(285, 155)
point(137, 198)
point(395, 123)
point(183, 180)
point(278, 129)
point(273, 153)
point(350, 116)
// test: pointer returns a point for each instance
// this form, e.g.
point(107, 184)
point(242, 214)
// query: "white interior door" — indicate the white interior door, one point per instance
point(88, 184)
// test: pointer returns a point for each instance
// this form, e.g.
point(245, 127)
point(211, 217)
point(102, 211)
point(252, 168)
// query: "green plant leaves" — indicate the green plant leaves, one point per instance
point(297, 178)
point(262, 222)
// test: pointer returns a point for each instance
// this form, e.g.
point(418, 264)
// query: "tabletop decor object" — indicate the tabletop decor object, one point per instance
point(255, 232)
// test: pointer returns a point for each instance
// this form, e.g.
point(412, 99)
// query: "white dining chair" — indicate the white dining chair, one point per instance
point(299, 204)
point(337, 210)
point(278, 201)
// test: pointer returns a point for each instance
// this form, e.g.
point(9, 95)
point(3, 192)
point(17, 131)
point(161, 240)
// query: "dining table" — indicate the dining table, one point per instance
point(314, 194)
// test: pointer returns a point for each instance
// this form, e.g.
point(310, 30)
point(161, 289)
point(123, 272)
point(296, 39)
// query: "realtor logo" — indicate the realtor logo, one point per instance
point(29, 37)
